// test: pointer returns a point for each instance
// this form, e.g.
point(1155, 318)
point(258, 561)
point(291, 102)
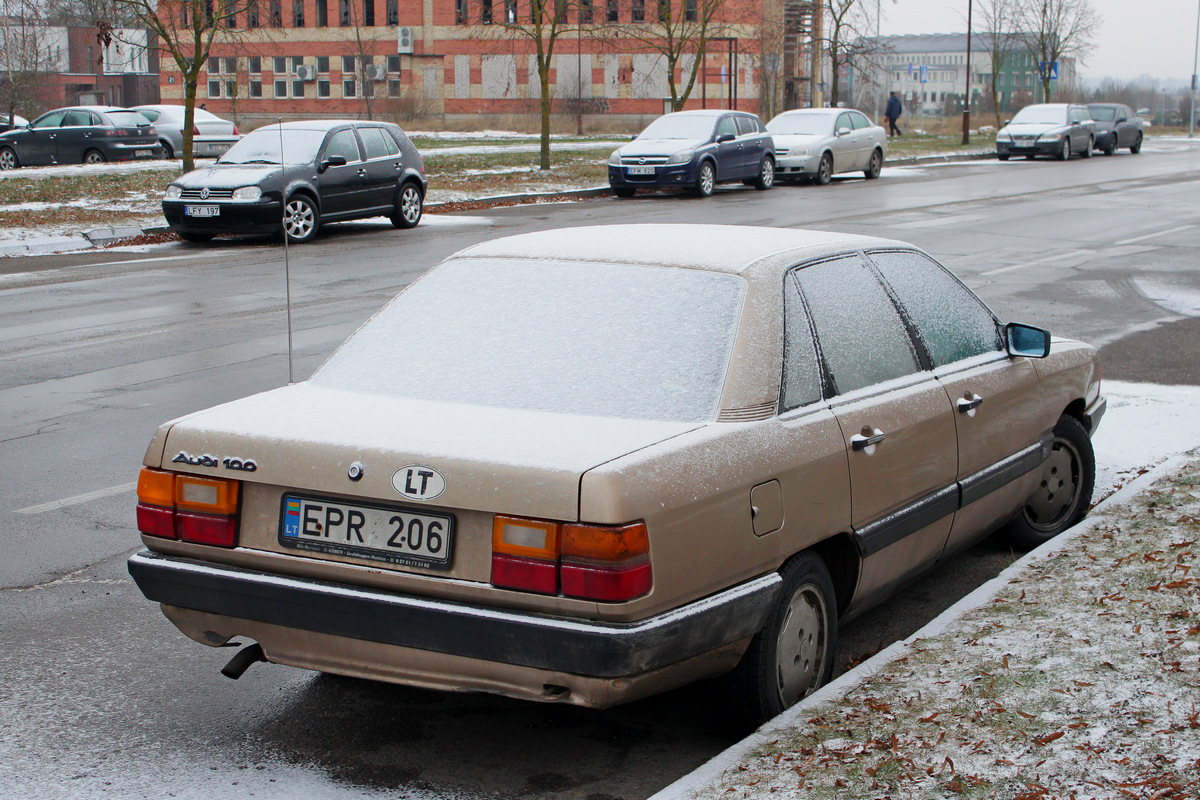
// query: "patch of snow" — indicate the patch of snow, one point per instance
point(1182, 300)
point(67, 170)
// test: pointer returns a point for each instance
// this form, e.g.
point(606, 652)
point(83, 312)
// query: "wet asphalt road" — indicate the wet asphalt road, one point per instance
point(102, 697)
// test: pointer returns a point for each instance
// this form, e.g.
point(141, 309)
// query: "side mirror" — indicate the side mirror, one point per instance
point(725, 137)
point(332, 161)
point(1007, 122)
point(843, 131)
point(633, 138)
point(1026, 340)
point(1122, 119)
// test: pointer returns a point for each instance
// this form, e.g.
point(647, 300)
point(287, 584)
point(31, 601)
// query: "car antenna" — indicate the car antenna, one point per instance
point(287, 275)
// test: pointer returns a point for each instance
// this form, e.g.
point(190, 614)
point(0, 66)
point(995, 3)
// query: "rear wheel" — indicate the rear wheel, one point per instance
point(792, 656)
point(766, 174)
point(1064, 490)
point(1091, 145)
point(93, 157)
point(1136, 147)
point(824, 170)
point(168, 152)
point(300, 219)
point(8, 158)
point(875, 166)
point(409, 207)
point(706, 181)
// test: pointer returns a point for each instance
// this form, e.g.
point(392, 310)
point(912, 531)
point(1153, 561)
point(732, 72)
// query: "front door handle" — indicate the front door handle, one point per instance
point(969, 402)
point(868, 438)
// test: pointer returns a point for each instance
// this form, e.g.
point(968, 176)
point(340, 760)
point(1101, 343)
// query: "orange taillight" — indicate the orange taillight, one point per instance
point(605, 543)
point(156, 488)
point(191, 508)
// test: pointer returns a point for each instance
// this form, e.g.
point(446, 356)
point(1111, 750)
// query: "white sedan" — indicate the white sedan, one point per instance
point(818, 143)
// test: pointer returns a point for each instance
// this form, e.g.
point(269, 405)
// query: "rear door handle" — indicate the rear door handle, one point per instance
point(969, 402)
point(868, 438)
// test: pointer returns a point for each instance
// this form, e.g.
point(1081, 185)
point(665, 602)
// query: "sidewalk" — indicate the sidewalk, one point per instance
point(1073, 674)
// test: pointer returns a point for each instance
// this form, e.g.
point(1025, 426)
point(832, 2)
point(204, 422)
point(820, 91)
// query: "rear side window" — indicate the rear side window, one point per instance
point(862, 338)
point(150, 114)
point(125, 119)
point(801, 367)
point(77, 119)
point(377, 143)
point(746, 125)
point(952, 321)
point(859, 120)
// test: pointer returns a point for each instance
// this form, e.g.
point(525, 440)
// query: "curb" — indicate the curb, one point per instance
point(690, 785)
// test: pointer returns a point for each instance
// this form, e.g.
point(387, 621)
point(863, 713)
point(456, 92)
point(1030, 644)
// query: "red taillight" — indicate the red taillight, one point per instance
point(190, 508)
point(195, 130)
point(592, 562)
point(235, 131)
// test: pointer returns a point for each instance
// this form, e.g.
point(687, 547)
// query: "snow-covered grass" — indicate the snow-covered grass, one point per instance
point(1078, 680)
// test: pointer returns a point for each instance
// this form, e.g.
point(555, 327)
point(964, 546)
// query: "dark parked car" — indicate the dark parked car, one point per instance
point(80, 135)
point(695, 150)
point(298, 176)
point(1116, 127)
point(1048, 129)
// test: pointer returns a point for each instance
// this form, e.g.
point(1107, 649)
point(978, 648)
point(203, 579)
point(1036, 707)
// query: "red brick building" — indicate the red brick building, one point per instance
point(449, 62)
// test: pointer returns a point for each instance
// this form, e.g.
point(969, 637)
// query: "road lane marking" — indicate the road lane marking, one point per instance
point(1153, 235)
point(1036, 261)
point(77, 499)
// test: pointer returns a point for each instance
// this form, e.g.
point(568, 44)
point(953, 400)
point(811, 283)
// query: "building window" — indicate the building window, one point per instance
point(560, 11)
point(664, 10)
point(279, 65)
point(297, 88)
point(393, 12)
point(255, 88)
point(348, 88)
point(231, 66)
point(348, 65)
point(689, 10)
point(612, 11)
point(369, 13)
point(323, 88)
point(368, 89)
point(394, 87)
point(252, 14)
point(485, 12)
point(638, 12)
point(585, 12)
point(254, 65)
point(214, 65)
point(322, 65)
point(297, 13)
point(344, 13)
point(460, 12)
point(231, 88)
point(510, 11)
point(276, 14)
point(322, 14)
point(214, 89)
point(280, 89)
point(393, 64)
point(297, 62)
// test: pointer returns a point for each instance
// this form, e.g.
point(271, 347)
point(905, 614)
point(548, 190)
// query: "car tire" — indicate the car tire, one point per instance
point(8, 158)
point(1091, 145)
point(1110, 147)
point(824, 170)
point(706, 180)
point(766, 174)
point(792, 655)
point(93, 157)
point(1064, 492)
point(300, 219)
point(1065, 153)
point(410, 205)
point(1003, 157)
point(624, 191)
point(168, 152)
point(194, 237)
point(1136, 147)
point(875, 165)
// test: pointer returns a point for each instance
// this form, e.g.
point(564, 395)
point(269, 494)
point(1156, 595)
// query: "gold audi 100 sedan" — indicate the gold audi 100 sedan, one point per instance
point(592, 464)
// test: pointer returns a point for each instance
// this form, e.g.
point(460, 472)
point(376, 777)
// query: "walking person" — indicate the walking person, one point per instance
point(893, 112)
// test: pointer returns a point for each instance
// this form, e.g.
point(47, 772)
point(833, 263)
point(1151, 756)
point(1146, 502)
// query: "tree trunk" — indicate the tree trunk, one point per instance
point(544, 81)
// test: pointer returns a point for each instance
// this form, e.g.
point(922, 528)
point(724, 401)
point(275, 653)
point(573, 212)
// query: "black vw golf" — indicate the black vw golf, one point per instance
point(296, 176)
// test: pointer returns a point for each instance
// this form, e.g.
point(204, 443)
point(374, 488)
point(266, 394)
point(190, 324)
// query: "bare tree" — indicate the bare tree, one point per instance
point(24, 56)
point(675, 30)
point(996, 20)
point(845, 40)
point(357, 27)
point(185, 30)
point(1051, 29)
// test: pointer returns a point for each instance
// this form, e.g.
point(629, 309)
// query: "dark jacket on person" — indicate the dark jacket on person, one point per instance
point(893, 108)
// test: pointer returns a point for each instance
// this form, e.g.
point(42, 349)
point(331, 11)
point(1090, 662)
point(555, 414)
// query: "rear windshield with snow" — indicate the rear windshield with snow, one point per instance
point(596, 339)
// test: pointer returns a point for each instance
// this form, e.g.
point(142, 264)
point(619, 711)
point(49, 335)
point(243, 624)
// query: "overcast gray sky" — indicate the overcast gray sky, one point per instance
point(1155, 37)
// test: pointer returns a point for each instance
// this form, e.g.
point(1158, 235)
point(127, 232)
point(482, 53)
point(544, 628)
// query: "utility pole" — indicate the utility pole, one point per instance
point(967, 95)
point(1195, 62)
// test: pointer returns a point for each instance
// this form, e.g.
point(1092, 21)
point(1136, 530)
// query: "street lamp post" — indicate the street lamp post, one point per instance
point(1195, 62)
point(967, 94)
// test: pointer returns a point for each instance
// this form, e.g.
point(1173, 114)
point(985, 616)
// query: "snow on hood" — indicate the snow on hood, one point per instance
point(227, 176)
point(659, 147)
point(305, 436)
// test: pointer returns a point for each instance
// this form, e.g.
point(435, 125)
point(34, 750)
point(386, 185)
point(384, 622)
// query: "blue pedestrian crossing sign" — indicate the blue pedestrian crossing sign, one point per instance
point(1051, 66)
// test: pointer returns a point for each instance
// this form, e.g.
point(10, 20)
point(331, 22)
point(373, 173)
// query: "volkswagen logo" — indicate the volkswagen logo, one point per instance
point(204, 193)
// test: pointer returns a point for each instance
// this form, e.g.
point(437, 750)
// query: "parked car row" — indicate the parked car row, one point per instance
point(1061, 130)
point(96, 134)
point(696, 150)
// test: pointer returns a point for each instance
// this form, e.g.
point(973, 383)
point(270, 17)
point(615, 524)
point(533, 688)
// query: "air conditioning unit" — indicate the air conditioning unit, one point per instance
point(404, 40)
point(304, 73)
point(375, 72)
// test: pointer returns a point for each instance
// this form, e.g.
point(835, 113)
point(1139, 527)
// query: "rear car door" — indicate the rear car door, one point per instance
point(754, 145)
point(996, 397)
point(343, 187)
point(895, 419)
point(76, 136)
point(867, 137)
point(846, 155)
point(384, 165)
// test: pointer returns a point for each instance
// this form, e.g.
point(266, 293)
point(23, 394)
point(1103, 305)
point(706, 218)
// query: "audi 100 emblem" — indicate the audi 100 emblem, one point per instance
point(418, 483)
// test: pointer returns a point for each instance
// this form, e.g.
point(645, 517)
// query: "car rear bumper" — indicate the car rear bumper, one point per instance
point(132, 152)
point(523, 639)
